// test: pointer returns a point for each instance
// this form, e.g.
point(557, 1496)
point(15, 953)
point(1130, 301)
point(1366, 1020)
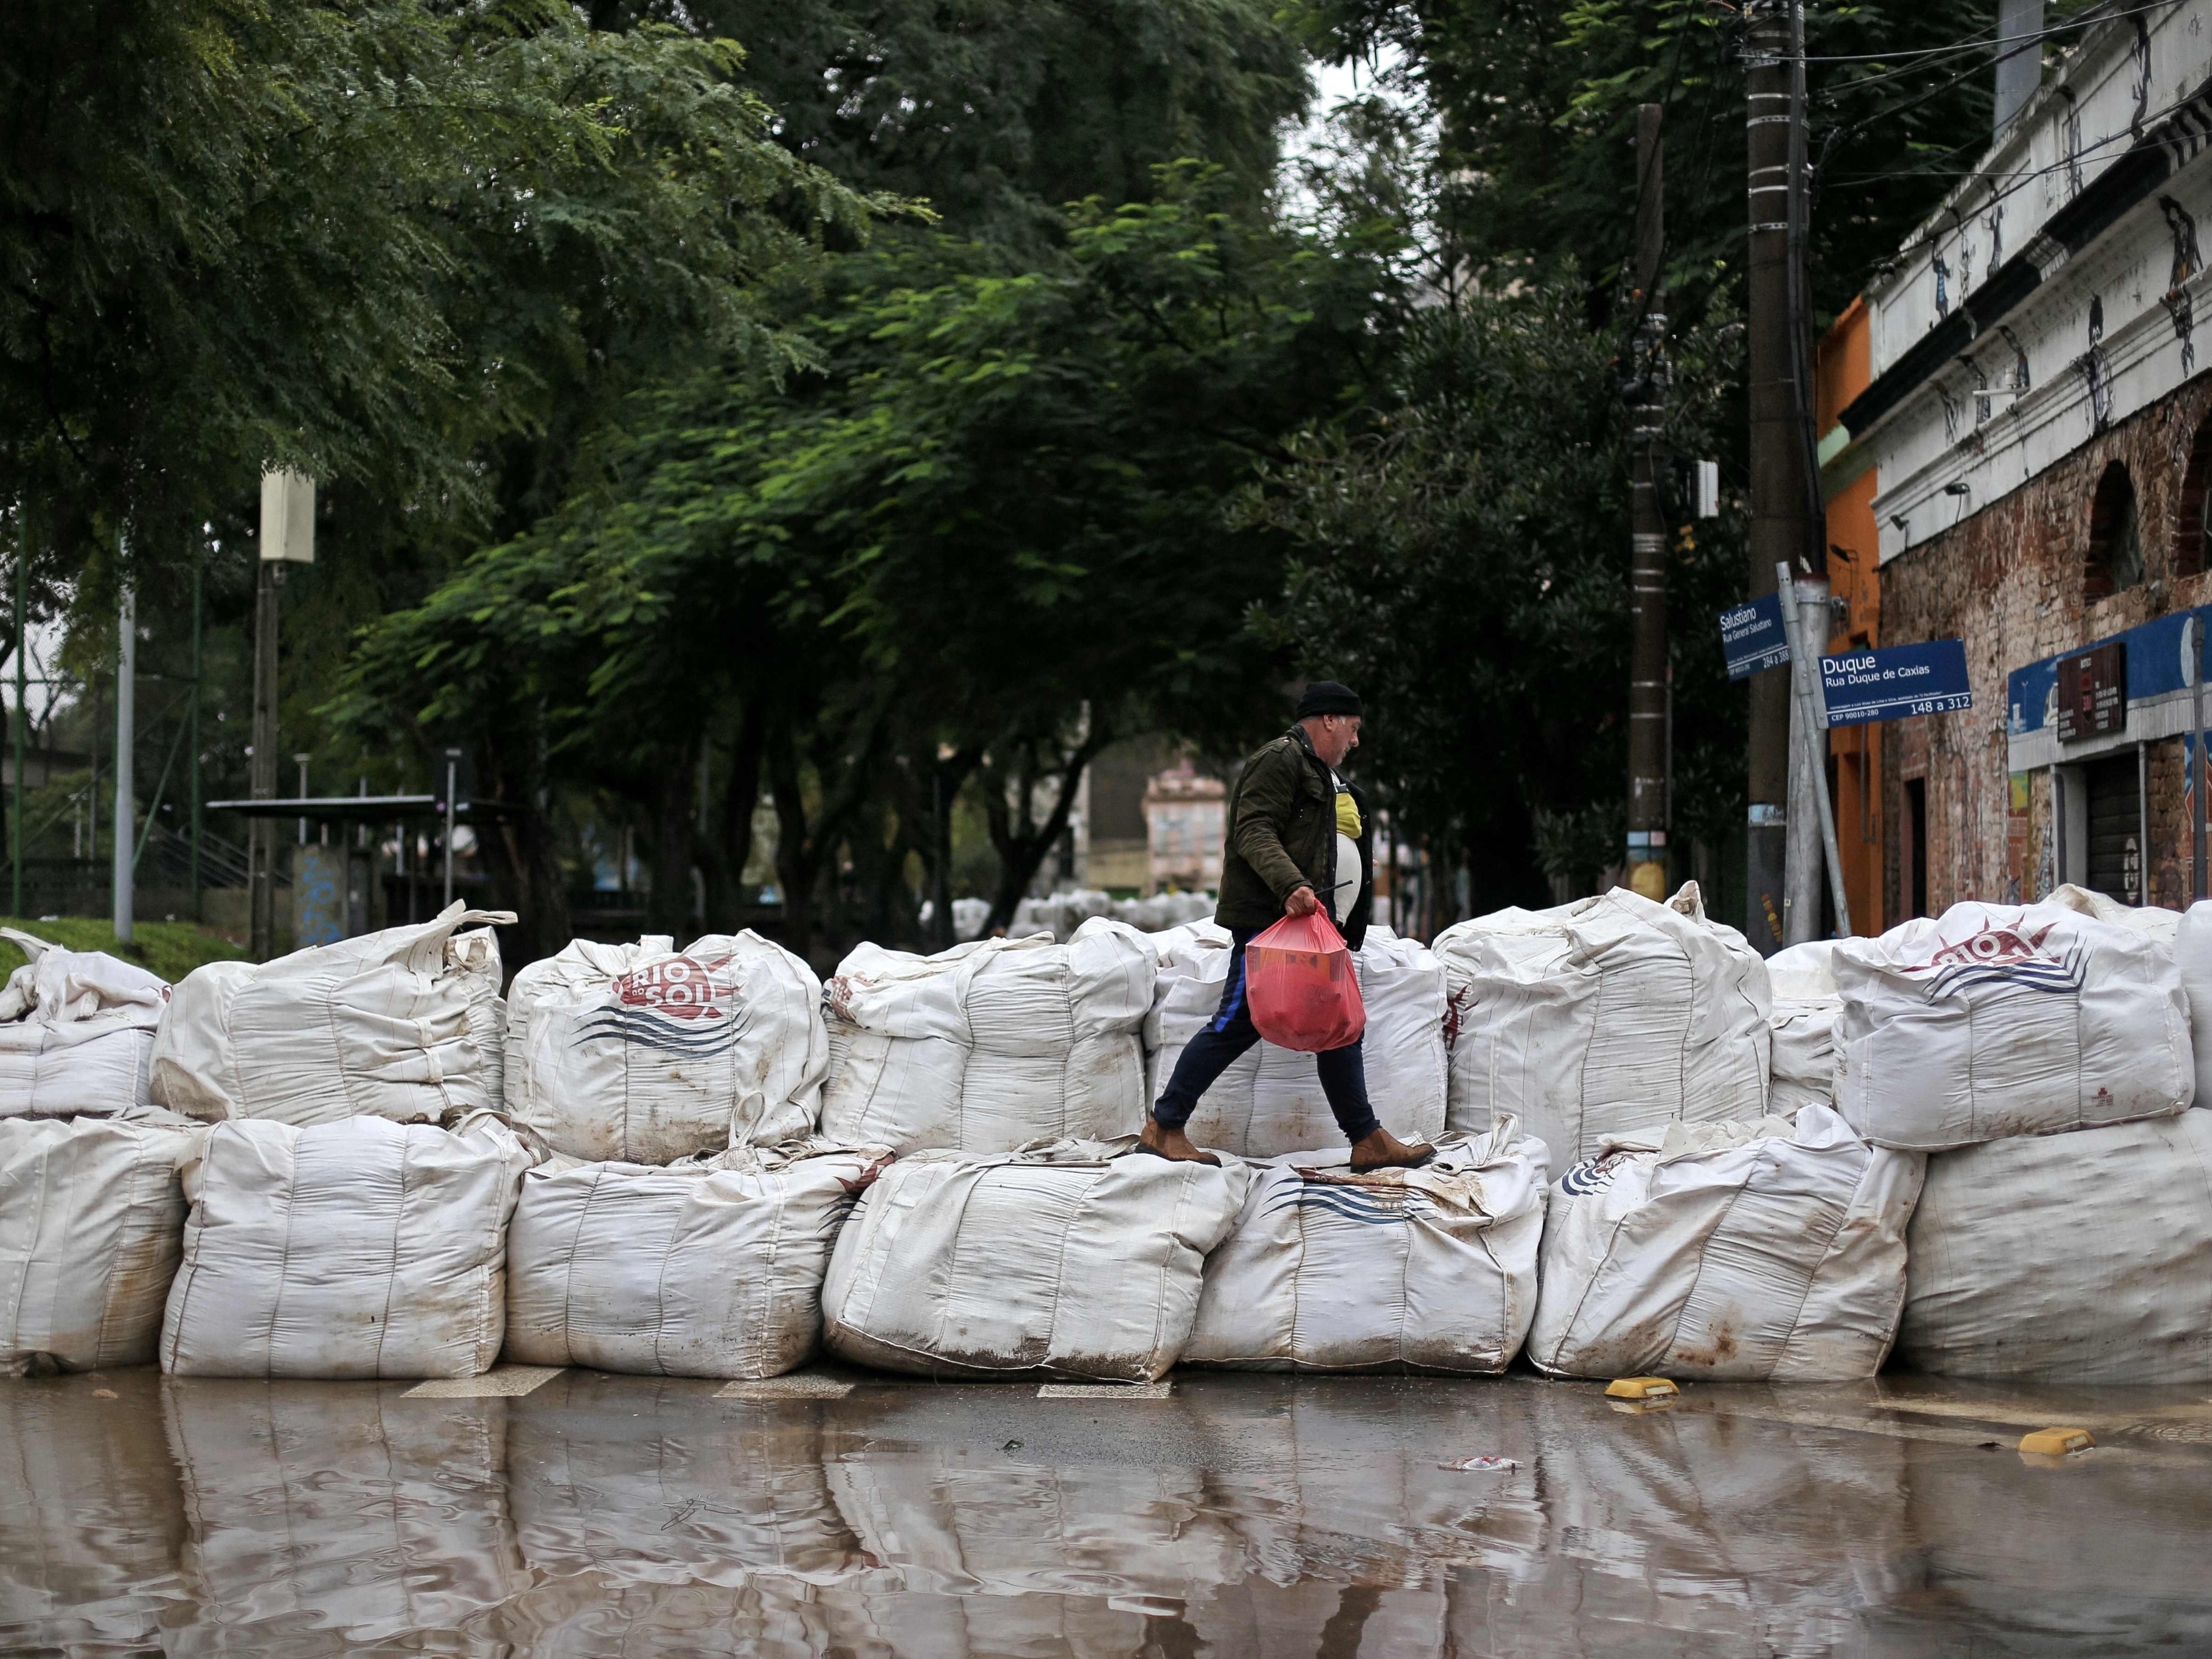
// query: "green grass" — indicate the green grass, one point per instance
point(170, 949)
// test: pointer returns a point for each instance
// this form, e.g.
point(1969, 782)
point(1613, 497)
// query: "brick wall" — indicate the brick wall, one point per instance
point(2008, 580)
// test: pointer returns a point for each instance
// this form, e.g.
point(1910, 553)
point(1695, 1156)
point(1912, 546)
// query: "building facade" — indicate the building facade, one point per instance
point(2022, 463)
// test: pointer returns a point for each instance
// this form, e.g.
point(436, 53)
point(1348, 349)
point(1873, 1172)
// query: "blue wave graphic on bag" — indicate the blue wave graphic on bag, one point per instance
point(2000, 956)
point(1368, 1206)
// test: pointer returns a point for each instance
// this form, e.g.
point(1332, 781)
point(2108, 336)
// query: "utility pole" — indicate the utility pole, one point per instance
point(1779, 497)
point(126, 710)
point(25, 544)
point(1647, 563)
point(199, 564)
point(287, 535)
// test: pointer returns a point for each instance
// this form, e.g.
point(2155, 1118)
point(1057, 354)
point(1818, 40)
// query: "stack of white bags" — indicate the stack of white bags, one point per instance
point(1967, 1140)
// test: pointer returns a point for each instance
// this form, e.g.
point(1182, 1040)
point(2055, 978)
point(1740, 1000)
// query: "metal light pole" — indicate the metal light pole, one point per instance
point(287, 535)
point(453, 785)
point(1805, 618)
point(1647, 652)
point(198, 566)
point(26, 542)
point(126, 710)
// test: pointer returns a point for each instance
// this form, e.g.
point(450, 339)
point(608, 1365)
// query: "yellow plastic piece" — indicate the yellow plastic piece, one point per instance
point(1639, 1388)
point(2056, 1443)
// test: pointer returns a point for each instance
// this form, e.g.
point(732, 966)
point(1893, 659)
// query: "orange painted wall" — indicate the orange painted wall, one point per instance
point(1843, 367)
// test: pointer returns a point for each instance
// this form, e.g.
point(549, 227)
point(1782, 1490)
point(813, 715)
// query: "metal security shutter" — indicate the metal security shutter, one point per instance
point(2115, 825)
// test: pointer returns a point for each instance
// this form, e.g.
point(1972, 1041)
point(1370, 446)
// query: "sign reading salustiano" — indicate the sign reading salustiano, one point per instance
point(1894, 682)
point(1751, 636)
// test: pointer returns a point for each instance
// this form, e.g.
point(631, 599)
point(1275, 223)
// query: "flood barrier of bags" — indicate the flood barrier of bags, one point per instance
point(1604, 1017)
point(644, 1054)
point(1270, 1102)
point(1736, 1252)
point(386, 1026)
point(1995, 1020)
point(1433, 1268)
point(362, 1248)
point(92, 1211)
point(990, 1045)
point(76, 1030)
point(2079, 1258)
point(1081, 1259)
point(711, 1268)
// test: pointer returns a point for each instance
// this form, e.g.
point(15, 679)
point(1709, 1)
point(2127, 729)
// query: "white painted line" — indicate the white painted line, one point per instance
point(785, 1388)
point(508, 1382)
point(1105, 1391)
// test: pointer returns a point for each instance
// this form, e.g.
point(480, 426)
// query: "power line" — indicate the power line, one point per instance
point(1978, 43)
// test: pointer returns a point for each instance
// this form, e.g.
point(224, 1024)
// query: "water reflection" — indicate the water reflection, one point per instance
point(1252, 1515)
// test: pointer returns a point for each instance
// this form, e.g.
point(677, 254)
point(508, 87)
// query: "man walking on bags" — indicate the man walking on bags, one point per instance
point(1297, 830)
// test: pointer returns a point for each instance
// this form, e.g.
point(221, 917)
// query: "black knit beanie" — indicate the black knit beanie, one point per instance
point(1326, 698)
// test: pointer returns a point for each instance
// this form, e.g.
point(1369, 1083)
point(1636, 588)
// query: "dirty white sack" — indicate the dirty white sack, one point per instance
point(990, 1045)
point(709, 1267)
point(1270, 1102)
point(2080, 1258)
point(643, 1054)
point(360, 1249)
point(475, 956)
point(1081, 1258)
point(1604, 1017)
point(383, 1025)
point(92, 1211)
point(1432, 1268)
point(2192, 955)
point(1803, 1023)
point(76, 1030)
point(1995, 1020)
point(1737, 1252)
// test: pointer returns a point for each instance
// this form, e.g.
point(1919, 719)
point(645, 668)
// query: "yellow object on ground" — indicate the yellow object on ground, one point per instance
point(2056, 1443)
point(1639, 1388)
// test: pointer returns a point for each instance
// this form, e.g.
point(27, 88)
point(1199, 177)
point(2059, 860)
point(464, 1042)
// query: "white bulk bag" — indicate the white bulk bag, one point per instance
point(381, 1026)
point(1081, 1258)
point(1270, 1102)
point(990, 1045)
point(92, 1211)
point(1804, 1023)
point(645, 1054)
point(360, 1249)
point(1432, 1268)
point(475, 956)
point(710, 1267)
point(76, 1030)
point(1737, 1252)
point(2078, 1258)
point(1997, 1020)
point(1604, 1017)
point(2192, 957)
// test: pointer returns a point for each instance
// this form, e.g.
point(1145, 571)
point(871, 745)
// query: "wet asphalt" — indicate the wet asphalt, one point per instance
point(1241, 1514)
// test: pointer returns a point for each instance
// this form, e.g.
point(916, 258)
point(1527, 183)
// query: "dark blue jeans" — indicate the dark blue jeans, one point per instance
point(1230, 1032)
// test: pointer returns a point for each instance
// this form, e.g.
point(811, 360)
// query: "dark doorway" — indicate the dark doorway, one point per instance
point(2115, 827)
point(1915, 884)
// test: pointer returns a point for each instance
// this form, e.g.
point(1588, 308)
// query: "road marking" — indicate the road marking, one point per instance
point(785, 1388)
point(1105, 1391)
point(502, 1381)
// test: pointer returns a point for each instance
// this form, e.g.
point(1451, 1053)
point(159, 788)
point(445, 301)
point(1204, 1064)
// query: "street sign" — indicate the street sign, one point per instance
point(1752, 637)
point(2092, 692)
point(1895, 683)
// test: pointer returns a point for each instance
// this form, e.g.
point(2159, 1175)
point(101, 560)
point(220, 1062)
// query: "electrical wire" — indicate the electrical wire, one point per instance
point(1982, 42)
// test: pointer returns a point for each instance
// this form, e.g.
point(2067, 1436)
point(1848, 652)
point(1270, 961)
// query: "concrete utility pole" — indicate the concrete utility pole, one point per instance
point(2019, 58)
point(287, 535)
point(1774, 109)
point(1647, 562)
point(126, 784)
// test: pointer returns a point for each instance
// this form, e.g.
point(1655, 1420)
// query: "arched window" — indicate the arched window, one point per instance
point(2115, 560)
point(2189, 517)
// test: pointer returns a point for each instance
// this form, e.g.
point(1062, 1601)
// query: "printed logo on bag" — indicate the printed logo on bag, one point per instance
point(675, 1005)
point(837, 995)
point(849, 1200)
point(2003, 956)
point(1593, 1175)
point(1357, 1201)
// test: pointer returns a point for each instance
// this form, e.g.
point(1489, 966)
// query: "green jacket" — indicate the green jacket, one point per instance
point(1282, 836)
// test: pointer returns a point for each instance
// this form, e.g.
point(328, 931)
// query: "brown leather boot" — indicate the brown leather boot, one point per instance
point(1385, 1151)
point(1173, 1145)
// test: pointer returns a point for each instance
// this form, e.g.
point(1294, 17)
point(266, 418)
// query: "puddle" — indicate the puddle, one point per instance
point(1240, 1514)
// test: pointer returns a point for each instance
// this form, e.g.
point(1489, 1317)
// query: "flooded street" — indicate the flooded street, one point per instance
point(1240, 1514)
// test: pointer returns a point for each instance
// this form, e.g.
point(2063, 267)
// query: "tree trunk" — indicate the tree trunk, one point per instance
point(671, 908)
point(1021, 851)
point(521, 856)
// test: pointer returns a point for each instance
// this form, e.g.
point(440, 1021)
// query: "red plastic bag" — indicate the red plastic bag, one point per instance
point(1302, 990)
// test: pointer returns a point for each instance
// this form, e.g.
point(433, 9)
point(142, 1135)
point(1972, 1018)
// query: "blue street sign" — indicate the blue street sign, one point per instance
point(1894, 682)
point(1752, 638)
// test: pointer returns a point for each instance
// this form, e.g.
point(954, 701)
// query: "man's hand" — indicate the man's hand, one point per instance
point(1300, 902)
